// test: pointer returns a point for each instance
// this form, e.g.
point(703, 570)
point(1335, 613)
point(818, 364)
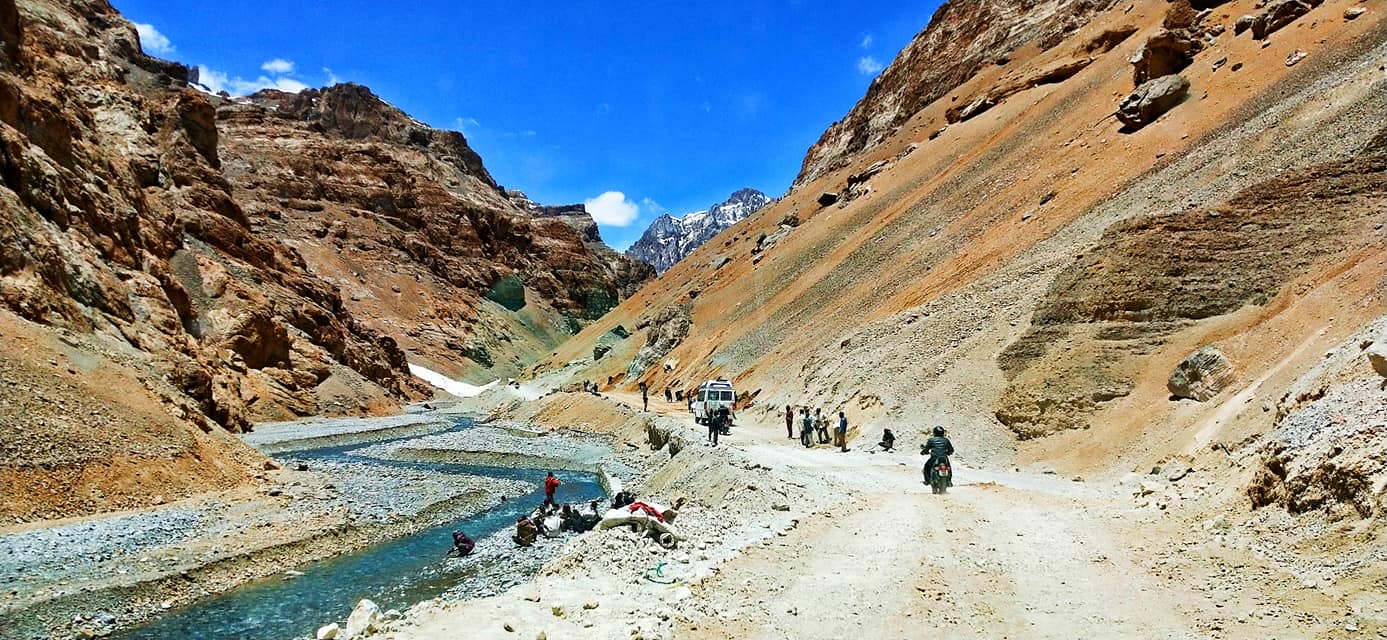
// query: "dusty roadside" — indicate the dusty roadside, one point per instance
point(784, 542)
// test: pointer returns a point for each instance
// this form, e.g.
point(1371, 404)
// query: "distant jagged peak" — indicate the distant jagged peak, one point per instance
point(669, 239)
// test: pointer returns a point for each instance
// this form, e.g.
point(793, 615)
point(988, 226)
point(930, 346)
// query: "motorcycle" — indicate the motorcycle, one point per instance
point(943, 477)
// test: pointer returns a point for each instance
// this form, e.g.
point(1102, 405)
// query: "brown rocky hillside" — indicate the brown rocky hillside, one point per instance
point(175, 266)
point(981, 243)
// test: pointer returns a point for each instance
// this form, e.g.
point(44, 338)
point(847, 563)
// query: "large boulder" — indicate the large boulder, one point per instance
point(1152, 99)
point(363, 621)
point(1377, 357)
point(971, 108)
point(1280, 14)
point(1166, 52)
point(1201, 375)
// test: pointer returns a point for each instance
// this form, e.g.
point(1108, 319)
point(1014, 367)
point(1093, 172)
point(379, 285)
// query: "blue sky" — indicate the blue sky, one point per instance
point(671, 105)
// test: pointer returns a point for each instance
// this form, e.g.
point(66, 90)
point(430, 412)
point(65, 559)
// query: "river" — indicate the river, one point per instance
point(395, 573)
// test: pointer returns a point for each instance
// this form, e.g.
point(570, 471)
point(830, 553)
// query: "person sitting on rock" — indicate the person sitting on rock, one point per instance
point(525, 532)
point(462, 544)
point(888, 440)
point(568, 519)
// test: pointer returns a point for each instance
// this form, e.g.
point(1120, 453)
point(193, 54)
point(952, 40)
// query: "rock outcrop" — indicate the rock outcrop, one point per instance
point(668, 239)
point(1165, 53)
point(1153, 276)
point(1328, 451)
point(666, 328)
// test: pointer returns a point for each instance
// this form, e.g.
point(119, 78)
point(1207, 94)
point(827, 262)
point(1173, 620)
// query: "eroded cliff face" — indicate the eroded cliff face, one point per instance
point(407, 223)
point(962, 38)
point(198, 264)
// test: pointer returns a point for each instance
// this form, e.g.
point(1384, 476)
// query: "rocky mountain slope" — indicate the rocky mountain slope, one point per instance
point(175, 266)
point(1093, 237)
point(669, 239)
point(470, 279)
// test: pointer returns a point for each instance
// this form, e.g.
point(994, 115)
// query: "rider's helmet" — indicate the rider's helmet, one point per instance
point(938, 430)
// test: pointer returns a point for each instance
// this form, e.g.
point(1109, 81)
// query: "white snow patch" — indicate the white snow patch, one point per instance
point(455, 387)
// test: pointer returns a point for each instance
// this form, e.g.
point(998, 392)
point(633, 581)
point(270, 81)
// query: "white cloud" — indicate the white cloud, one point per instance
point(612, 208)
point(217, 81)
point(868, 65)
point(152, 41)
point(652, 206)
point(467, 126)
point(867, 41)
point(278, 66)
point(332, 78)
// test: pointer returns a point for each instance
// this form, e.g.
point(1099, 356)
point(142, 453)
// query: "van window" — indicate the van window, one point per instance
point(701, 395)
point(727, 396)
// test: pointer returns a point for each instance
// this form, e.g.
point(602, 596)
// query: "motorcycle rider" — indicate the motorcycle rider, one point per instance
point(939, 449)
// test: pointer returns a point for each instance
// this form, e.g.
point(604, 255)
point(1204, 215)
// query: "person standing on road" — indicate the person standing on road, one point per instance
point(806, 428)
point(645, 397)
point(551, 484)
point(842, 432)
point(790, 421)
point(821, 425)
point(669, 397)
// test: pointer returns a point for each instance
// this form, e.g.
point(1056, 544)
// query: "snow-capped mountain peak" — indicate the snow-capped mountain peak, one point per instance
point(669, 239)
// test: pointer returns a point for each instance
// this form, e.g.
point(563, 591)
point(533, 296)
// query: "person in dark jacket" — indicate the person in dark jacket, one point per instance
point(888, 440)
point(938, 448)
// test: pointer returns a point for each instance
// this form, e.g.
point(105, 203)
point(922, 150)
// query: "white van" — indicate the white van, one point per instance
point(711, 395)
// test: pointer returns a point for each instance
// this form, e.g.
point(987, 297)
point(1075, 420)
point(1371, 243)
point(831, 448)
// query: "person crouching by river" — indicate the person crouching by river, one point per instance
point(462, 545)
point(525, 532)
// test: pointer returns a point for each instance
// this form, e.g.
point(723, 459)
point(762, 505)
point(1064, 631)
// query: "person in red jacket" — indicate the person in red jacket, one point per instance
point(550, 485)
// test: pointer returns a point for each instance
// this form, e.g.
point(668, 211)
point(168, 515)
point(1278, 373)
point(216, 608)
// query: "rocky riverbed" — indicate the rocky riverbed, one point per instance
point(94, 575)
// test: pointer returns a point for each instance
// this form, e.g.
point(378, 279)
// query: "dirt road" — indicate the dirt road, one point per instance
point(1004, 554)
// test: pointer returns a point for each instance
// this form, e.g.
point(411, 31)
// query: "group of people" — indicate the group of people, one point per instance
point(541, 522)
point(814, 427)
point(549, 519)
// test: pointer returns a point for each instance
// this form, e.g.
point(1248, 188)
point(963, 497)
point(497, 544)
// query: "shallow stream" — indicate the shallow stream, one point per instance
point(395, 574)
